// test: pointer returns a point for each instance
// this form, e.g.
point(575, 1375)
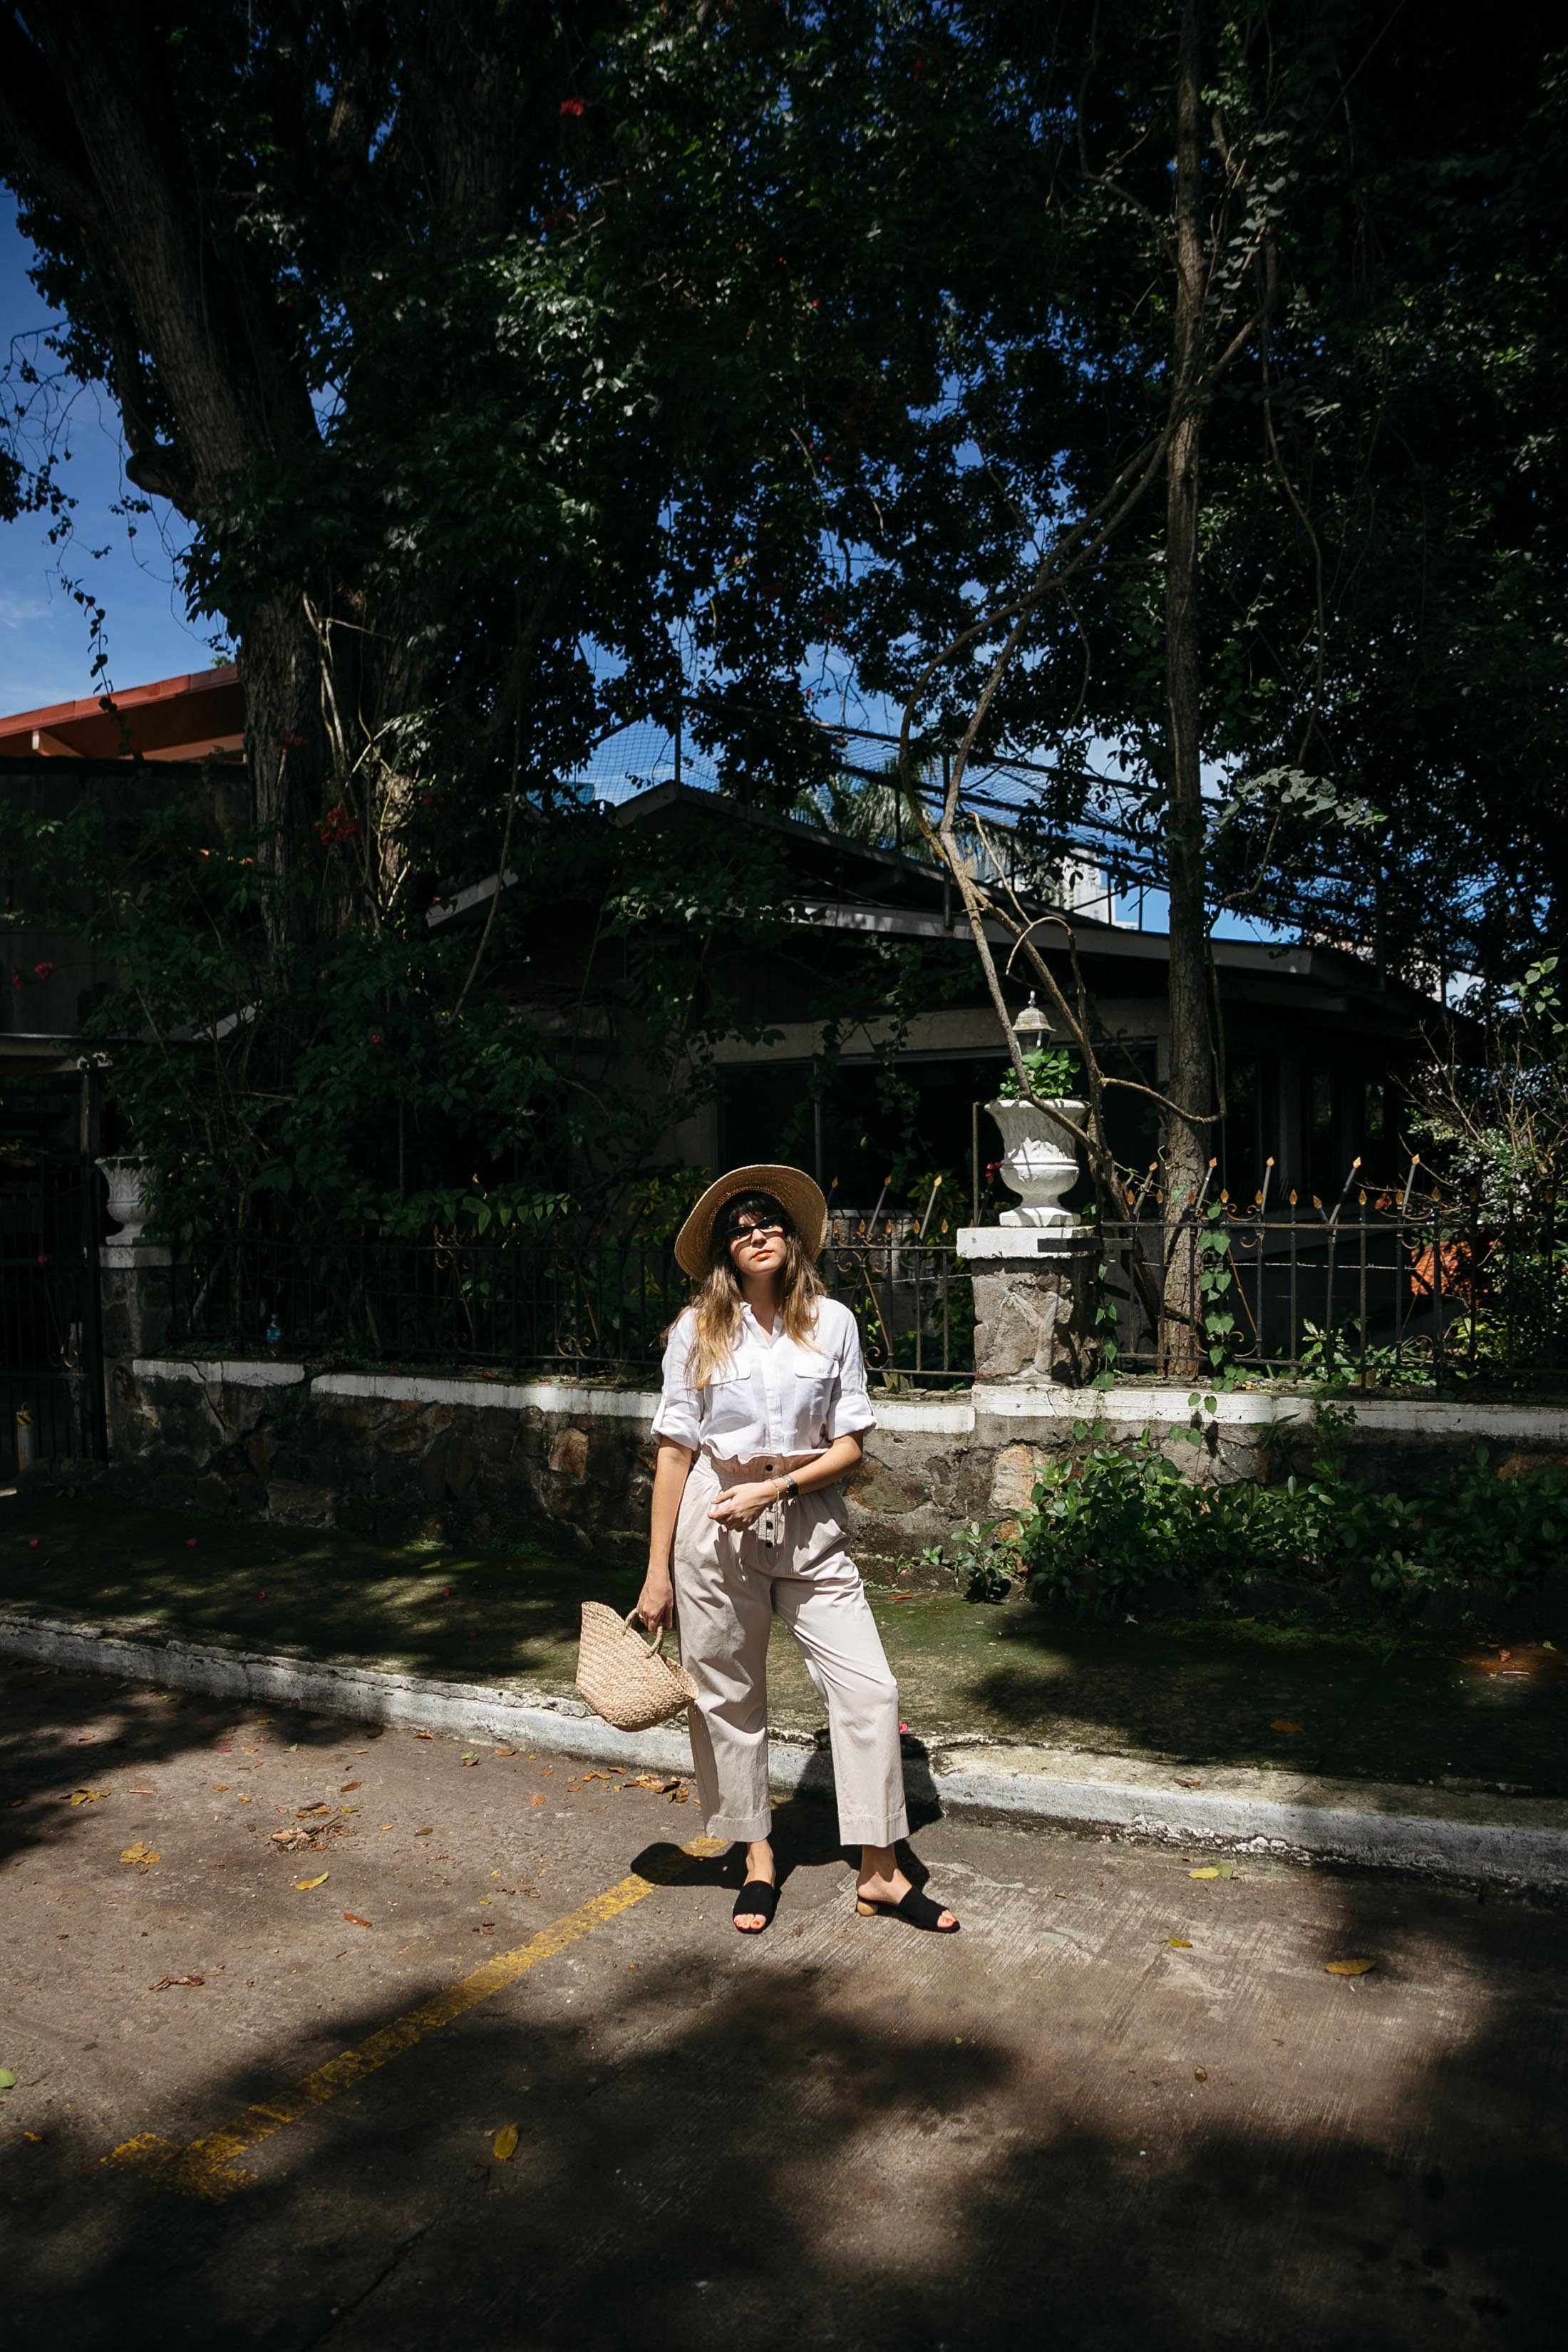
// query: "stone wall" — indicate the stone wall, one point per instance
point(476, 1459)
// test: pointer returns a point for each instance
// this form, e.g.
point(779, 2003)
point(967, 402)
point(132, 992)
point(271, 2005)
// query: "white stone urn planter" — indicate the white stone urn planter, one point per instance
point(131, 1182)
point(1039, 1159)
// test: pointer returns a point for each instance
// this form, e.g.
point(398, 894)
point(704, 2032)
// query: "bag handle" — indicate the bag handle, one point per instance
point(657, 1644)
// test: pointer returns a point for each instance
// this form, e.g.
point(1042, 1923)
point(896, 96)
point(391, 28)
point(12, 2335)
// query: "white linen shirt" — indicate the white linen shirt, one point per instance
point(777, 1398)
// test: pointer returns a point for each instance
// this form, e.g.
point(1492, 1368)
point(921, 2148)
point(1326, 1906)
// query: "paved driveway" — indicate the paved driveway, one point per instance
point(1125, 2107)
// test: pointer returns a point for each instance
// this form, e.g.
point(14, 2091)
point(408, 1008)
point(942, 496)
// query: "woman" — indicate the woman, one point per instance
point(764, 1408)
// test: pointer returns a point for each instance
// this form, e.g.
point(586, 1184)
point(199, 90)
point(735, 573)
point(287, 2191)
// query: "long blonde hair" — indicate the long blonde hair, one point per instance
point(718, 1304)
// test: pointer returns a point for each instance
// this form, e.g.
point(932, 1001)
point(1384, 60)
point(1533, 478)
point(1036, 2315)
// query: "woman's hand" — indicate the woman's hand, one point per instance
point(738, 1507)
point(656, 1601)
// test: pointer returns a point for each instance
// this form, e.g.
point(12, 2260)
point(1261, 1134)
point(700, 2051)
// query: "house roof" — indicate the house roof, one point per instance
point(860, 887)
point(195, 716)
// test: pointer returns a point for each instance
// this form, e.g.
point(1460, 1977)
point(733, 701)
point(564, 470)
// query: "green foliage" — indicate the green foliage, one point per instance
point(343, 1074)
point(1118, 1520)
point(984, 1569)
point(1219, 1292)
point(1343, 1358)
point(1048, 1073)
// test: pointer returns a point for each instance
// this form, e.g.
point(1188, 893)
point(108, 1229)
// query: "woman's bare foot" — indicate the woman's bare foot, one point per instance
point(760, 1864)
point(881, 1881)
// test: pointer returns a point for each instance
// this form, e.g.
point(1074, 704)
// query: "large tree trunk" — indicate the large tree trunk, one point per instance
point(190, 313)
point(1191, 1079)
point(285, 740)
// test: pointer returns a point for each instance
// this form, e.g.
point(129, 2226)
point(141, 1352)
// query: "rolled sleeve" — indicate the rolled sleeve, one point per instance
point(679, 1414)
point(849, 1408)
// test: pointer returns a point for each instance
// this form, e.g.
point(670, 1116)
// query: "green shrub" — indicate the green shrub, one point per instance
point(985, 1568)
point(1117, 1521)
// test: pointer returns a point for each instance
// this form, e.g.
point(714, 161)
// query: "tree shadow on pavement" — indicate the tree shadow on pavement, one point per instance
point(133, 1728)
point(941, 2147)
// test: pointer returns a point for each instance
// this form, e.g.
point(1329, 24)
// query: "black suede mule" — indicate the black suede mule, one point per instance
point(918, 1910)
point(757, 1900)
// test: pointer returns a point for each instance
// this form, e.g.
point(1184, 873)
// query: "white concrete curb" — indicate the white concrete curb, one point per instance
point(1509, 1841)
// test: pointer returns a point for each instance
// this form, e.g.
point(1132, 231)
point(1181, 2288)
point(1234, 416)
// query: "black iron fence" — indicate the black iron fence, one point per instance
point(1372, 1295)
point(1375, 1293)
point(539, 1298)
point(51, 1375)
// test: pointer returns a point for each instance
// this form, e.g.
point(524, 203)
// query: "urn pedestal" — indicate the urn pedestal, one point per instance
point(1034, 1302)
point(1033, 1270)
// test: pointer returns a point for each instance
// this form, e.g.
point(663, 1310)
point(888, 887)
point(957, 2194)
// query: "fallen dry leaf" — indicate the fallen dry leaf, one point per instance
point(348, 1786)
point(536, 1801)
point(220, 1787)
point(1200, 2074)
point(1347, 1967)
point(1189, 1784)
point(504, 2143)
point(470, 1759)
point(1529, 1660)
point(503, 1751)
point(424, 1832)
point(315, 1806)
point(1179, 1943)
point(165, 1983)
point(141, 1854)
point(1212, 1871)
point(303, 1886)
point(355, 1921)
point(1280, 1724)
point(424, 1735)
point(87, 1796)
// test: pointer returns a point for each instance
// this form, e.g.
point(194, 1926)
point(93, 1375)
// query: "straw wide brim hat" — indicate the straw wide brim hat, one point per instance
point(791, 1188)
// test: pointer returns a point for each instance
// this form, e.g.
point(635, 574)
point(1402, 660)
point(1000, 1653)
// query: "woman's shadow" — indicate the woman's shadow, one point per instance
point(805, 1827)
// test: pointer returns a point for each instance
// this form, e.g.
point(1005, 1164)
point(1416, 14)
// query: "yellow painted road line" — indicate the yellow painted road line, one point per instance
point(208, 2167)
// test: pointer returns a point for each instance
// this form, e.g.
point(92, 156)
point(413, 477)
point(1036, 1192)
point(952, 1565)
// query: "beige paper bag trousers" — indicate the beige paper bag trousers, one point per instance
point(728, 1590)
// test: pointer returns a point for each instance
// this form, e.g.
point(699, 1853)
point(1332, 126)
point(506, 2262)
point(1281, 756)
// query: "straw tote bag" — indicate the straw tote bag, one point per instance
point(630, 1683)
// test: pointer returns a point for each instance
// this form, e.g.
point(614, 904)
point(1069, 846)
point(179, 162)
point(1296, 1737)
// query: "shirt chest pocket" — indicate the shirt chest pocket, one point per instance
point(728, 1405)
point(813, 1397)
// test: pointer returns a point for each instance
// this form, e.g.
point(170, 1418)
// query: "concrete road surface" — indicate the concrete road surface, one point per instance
point(1125, 2106)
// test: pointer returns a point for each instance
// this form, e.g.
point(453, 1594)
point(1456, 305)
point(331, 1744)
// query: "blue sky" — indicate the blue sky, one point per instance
point(45, 655)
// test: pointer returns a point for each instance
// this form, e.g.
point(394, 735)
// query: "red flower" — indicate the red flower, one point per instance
point(375, 1036)
point(573, 106)
point(338, 826)
point(42, 971)
point(16, 979)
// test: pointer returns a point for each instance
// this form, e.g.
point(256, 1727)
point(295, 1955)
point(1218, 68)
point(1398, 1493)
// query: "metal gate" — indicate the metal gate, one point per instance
point(51, 1354)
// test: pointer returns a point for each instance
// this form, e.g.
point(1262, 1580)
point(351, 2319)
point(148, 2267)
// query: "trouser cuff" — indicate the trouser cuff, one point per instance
point(860, 1829)
point(751, 1827)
